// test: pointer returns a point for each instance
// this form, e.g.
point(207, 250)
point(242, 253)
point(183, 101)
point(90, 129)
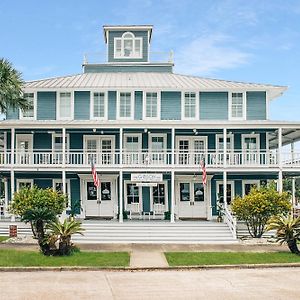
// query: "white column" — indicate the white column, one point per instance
point(225, 188)
point(293, 192)
point(121, 146)
point(224, 166)
point(121, 196)
point(173, 146)
point(172, 217)
point(64, 160)
point(172, 208)
point(5, 196)
point(293, 151)
point(12, 172)
point(279, 183)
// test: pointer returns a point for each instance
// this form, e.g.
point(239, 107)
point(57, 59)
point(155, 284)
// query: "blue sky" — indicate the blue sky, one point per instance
point(253, 41)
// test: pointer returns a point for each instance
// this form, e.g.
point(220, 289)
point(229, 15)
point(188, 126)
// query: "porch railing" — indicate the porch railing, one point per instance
point(230, 220)
point(178, 158)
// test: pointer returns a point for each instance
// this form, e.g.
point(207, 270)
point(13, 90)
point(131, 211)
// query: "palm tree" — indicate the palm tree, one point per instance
point(287, 230)
point(11, 84)
point(63, 232)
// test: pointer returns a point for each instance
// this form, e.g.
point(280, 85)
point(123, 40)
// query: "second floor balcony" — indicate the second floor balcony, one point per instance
point(149, 159)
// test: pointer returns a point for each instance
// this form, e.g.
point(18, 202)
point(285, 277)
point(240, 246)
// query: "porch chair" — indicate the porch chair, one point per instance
point(158, 210)
point(134, 209)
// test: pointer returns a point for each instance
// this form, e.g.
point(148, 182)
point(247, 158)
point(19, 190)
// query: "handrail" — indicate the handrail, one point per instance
point(230, 220)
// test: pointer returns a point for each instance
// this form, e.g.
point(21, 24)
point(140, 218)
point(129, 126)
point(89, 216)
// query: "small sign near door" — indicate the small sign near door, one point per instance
point(146, 177)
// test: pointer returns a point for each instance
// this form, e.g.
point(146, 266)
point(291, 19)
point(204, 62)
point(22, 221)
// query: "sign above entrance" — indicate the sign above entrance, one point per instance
point(136, 177)
point(146, 184)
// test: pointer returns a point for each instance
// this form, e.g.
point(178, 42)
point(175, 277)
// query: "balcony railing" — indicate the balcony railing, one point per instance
point(213, 159)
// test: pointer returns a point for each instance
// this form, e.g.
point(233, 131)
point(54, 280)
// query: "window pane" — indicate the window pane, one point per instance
point(137, 47)
point(157, 143)
point(220, 193)
point(159, 194)
point(125, 105)
point(184, 192)
point(237, 105)
point(128, 47)
point(189, 105)
point(91, 191)
point(198, 192)
point(105, 191)
point(65, 105)
point(99, 105)
point(151, 105)
point(29, 113)
point(118, 45)
point(132, 193)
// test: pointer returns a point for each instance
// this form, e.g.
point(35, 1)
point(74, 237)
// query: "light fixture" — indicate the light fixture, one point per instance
point(94, 129)
point(194, 130)
point(102, 132)
point(145, 130)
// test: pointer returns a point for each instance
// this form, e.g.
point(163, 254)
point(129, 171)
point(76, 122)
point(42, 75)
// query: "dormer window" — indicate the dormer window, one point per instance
point(128, 46)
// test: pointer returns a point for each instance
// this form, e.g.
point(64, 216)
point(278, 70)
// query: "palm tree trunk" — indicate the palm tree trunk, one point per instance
point(292, 244)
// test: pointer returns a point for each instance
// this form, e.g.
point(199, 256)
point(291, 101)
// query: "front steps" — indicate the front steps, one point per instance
point(143, 232)
point(155, 232)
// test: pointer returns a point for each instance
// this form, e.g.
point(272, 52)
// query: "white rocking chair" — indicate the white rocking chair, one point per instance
point(158, 210)
point(134, 209)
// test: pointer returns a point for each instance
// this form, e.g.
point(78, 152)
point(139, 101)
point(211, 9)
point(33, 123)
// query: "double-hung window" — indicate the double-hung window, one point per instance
point(151, 105)
point(28, 113)
point(65, 106)
point(98, 105)
point(237, 106)
point(189, 105)
point(125, 105)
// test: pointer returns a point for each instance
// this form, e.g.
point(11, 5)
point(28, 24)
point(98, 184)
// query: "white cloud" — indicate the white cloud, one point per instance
point(208, 54)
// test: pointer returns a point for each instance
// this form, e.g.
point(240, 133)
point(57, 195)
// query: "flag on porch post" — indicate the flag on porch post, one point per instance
point(203, 168)
point(95, 176)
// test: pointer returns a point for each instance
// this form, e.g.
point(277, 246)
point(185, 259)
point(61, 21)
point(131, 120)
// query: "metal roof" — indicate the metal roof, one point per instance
point(149, 80)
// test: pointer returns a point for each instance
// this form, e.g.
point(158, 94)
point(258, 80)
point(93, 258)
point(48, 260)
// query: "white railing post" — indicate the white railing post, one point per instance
point(64, 160)
point(224, 166)
point(12, 172)
point(172, 217)
point(121, 177)
point(279, 184)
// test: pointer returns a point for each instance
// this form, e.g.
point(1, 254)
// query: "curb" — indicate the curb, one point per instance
point(150, 269)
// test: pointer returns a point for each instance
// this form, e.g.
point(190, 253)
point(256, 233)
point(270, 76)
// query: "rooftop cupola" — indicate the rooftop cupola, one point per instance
point(128, 43)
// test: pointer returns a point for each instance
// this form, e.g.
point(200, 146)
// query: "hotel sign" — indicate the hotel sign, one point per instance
point(136, 177)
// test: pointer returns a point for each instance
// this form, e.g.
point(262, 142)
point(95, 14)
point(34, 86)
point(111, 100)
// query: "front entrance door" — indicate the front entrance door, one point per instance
point(191, 199)
point(24, 148)
point(250, 148)
point(159, 199)
point(99, 202)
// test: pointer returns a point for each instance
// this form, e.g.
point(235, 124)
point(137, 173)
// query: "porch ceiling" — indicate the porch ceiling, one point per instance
point(288, 136)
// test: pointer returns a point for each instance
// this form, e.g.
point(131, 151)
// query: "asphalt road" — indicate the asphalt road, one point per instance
point(275, 283)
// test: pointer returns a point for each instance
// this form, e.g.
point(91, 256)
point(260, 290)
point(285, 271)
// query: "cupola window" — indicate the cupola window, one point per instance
point(128, 46)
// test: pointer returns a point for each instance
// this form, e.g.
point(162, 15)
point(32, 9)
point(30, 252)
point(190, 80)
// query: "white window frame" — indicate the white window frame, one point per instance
point(134, 39)
point(92, 117)
point(191, 139)
point(24, 181)
point(251, 135)
point(166, 205)
point(126, 182)
point(243, 117)
point(22, 117)
point(158, 116)
point(163, 135)
point(58, 117)
point(250, 181)
point(183, 117)
point(132, 94)
point(98, 139)
point(56, 134)
point(68, 191)
point(230, 136)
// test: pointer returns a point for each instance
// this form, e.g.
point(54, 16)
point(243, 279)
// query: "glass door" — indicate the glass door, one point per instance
point(91, 147)
point(106, 151)
point(132, 149)
point(24, 148)
point(184, 146)
point(199, 151)
point(158, 149)
point(250, 149)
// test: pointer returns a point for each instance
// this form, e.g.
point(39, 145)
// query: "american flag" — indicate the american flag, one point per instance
point(95, 176)
point(203, 167)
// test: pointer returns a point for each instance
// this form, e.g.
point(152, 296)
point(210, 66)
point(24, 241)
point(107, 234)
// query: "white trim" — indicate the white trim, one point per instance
point(92, 105)
point(132, 99)
point(249, 181)
point(158, 116)
point(98, 139)
point(24, 181)
point(58, 117)
point(34, 107)
point(58, 134)
point(191, 139)
point(183, 117)
point(244, 116)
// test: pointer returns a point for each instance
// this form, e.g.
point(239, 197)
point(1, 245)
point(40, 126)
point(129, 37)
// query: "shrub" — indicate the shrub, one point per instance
point(259, 206)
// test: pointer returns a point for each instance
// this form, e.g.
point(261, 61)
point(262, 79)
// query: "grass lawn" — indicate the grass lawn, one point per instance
point(228, 258)
point(15, 258)
point(3, 238)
